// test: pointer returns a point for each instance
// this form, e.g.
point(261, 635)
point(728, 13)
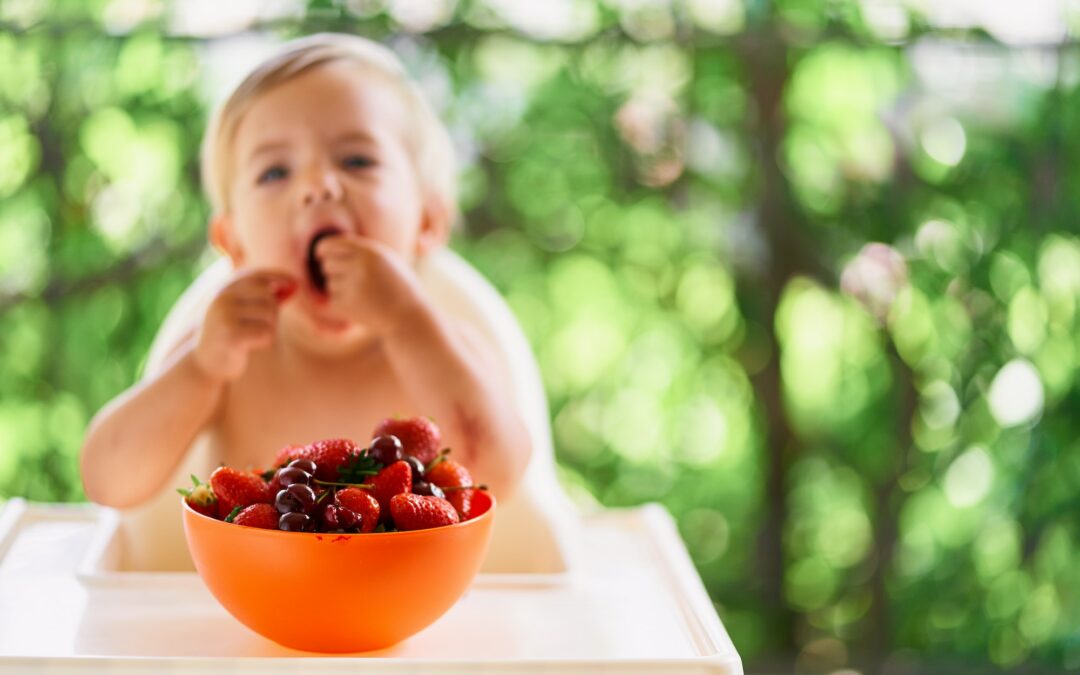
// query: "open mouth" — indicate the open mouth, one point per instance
point(314, 267)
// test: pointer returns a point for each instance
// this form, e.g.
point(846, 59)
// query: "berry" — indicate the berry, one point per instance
point(393, 480)
point(417, 468)
point(287, 454)
point(329, 456)
point(292, 474)
point(258, 515)
point(449, 473)
point(305, 465)
point(336, 518)
point(297, 498)
point(420, 512)
point(237, 488)
point(462, 500)
point(418, 435)
point(314, 267)
point(200, 497)
point(425, 488)
point(362, 503)
point(296, 522)
point(386, 449)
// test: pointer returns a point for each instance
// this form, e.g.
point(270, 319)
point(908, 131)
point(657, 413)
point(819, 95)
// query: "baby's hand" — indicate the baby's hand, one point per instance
point(367, 281)
point(242, 317)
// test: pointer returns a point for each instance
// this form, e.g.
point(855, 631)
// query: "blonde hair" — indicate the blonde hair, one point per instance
point(430, 146)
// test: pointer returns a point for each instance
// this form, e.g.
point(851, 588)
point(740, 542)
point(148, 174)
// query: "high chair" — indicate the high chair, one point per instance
point(84, 588)
point(533, 527)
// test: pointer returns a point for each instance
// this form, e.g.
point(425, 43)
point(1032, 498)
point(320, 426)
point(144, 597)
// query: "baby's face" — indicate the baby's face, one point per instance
point(324, 151)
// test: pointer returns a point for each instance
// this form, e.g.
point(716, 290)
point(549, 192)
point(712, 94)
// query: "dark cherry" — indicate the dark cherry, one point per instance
point(337, 518)
point(315, 270)
point(425, 488)
point(296, 522)
point(417, 468)
point(386, 450)
point(304, 465)
point(295, 498)
point(293, 474)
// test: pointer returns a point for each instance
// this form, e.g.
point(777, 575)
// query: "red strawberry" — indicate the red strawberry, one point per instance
point(361, 502)
point(328, 456)
point(418, 435)
point(393, 480)
point(258, 515)
point(420, 512)
point(200, 497)
point(449, 473)
point(287, 454)
point(462, 501)
point(238, 488)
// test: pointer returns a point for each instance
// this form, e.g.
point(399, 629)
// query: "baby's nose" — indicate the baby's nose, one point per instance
point(321, 188)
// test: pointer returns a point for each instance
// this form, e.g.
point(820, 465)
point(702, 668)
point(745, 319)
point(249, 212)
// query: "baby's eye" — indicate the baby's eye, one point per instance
point(272, 174)
point(358, 162)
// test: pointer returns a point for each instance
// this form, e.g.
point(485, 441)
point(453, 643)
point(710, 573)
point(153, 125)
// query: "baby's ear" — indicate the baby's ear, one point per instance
point(434, 227)
point(223, 238)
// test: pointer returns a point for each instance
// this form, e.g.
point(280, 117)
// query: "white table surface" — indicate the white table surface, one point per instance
point(633, 604)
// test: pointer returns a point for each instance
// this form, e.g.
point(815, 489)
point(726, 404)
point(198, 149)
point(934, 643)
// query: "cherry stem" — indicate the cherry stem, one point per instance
point(464, 487)
point(438, 458)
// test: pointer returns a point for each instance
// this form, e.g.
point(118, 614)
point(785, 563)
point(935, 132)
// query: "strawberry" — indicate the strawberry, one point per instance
point(329, 456)
point(200, 497)
point(237, 488)
point(258, 515)
point(393, 480)
point(287, 454)
point(462, 501)
point(449, 473)
point(418, 435)
point(361, 502)
point(420, 512)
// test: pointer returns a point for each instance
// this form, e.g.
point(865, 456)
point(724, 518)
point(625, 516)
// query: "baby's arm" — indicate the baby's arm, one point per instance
point(136, 442)
point(442, 367)
point(445, 370)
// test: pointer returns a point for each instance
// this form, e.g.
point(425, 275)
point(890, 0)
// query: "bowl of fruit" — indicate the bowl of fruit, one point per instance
point(340, 546)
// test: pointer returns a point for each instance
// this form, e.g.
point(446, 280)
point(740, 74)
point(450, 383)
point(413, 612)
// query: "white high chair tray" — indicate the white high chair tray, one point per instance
point(633, 603)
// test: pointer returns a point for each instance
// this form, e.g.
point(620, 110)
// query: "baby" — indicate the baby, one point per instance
point(329, 177)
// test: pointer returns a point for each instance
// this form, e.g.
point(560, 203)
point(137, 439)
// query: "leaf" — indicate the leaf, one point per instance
point(232, 514)
point(357, 467)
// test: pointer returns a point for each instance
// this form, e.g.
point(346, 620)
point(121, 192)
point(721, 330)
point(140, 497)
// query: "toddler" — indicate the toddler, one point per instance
point(329, 177)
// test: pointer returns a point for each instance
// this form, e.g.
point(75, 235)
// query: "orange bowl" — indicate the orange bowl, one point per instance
point(337, 592)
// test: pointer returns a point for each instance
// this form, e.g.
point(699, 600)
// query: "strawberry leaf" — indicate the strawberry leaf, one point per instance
point(358, 467)
point(232, 514)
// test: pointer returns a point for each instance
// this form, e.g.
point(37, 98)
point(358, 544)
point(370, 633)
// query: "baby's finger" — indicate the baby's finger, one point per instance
point(342, 245)
point(265, 277)
point(254, 333)
point(266, 315)
point(272, 291)
point(341, 265)
point(262, 301)
point(264, 281)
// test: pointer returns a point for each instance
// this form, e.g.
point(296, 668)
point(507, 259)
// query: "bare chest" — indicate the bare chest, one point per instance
point(274, 405)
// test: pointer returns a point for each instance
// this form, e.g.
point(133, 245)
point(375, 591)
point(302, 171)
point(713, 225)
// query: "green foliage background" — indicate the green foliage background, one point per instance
point(667, 194)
